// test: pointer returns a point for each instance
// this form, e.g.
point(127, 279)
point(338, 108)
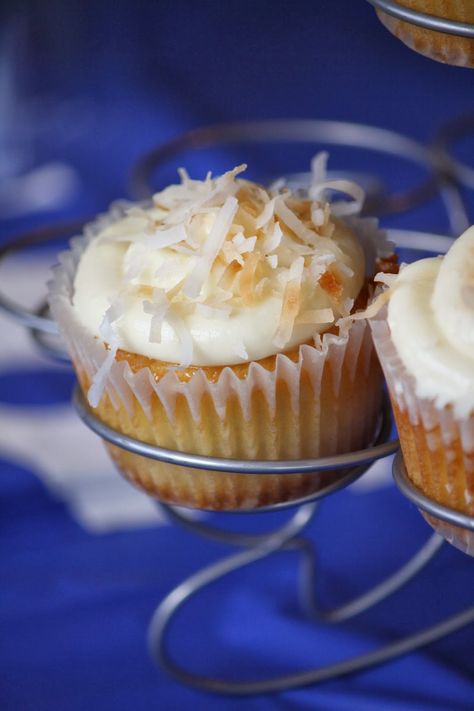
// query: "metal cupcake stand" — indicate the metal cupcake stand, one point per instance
point(445, 176)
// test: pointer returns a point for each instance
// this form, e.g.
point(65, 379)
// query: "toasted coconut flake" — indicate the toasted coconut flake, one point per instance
point(293, 222)
point(319, 168)
point(277, 186)
point(266, 215)
point(318, 215)
point(244, 244)
point(158, 308)
point(183, 201)
point(272, 260)
point(184, 336)
point(100, 377)
point(347, 187)
point(247, 277)
point(231, 253)
point(316, 316)
point(369, 312)
point(345, 269)
point(319, 265)
point(273, 239)
point(220, 296)
point(212, 247)
point(165, 237)
point(134, 262)
point(181, 249)
point(346, 306)
point(331, 284)
point(239, 349)
point(107, 330)
point(384, 278)
point(261, 285)
point(183, 174)
point(290, 304)
point(170, 273)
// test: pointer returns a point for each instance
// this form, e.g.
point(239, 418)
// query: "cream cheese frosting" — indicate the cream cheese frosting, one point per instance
point(221, 271)
point(431, 320)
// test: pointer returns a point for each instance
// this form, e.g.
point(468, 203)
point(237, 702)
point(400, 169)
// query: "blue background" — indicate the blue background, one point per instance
point(94, 85)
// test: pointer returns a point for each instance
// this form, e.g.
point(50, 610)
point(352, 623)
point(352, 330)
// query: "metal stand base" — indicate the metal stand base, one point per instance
point(257, 548)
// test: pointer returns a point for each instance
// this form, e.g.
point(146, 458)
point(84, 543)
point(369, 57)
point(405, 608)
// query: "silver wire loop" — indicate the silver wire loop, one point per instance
point(422, 19)
point(161, 620)
point(429, 506)
point(380, 449)
point(35, 320)
point(447, 135)
point(339, 133)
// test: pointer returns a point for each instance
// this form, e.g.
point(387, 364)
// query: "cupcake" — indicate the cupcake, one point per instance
point(213, 320)
point(442, 47)
point(426, 348)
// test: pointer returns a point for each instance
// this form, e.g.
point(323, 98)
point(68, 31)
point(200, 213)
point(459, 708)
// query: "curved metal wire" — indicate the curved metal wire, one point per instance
point(30, 318)
point(180, 516)
point(429, 506)
point(368, 599)
point(382, 448)
point(338, 133)
point(159, 626)
point(447, 135)
point(423, 19)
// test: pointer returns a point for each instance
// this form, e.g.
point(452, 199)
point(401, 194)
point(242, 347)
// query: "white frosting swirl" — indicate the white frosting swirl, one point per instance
point(218, 272)
point(431, 319)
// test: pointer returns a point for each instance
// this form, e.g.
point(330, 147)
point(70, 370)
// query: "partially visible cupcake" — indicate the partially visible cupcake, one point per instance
point(440, 46)
point(426, 348)
point(206, 321)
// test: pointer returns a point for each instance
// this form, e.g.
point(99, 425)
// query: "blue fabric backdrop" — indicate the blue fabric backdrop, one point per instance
point(89, 87)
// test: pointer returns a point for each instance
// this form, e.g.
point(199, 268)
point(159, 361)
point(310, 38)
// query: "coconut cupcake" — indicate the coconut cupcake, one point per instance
point(440, 46)
point(207, 322)
point(426, 348)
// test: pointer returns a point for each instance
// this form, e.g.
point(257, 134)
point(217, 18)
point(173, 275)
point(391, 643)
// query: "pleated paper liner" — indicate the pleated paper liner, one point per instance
point(437, 446)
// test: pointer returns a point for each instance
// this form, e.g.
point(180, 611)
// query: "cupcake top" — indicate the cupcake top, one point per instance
point(431, 319)
point(222, 271)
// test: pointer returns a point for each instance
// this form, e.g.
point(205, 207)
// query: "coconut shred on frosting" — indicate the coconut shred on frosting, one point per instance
point(222, 271)
point(431, 319)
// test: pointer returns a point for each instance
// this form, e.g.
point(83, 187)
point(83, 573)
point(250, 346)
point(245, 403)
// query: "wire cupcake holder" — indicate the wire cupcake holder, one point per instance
point(444, 177)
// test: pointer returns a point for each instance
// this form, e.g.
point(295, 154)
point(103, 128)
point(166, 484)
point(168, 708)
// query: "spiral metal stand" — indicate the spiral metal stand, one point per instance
point(444, 177)
point(257, 547)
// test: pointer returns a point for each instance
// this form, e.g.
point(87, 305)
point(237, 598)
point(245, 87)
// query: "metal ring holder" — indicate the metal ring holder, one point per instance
point(455, 526)
point(451, 132)
point(336, 133)
point(286, 537)
point(422, 19)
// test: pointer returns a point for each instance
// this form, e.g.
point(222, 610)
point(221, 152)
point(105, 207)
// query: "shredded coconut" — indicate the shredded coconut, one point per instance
point(291, 304)
point(235, 244)
point(214, 242)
